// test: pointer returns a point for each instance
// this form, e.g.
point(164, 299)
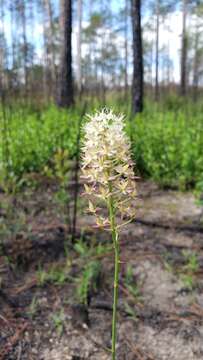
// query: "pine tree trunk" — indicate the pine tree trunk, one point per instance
point(2, 33)
point(196, 62)
point(137, 85)
point(168, 70)
point(65, 93)
point(79, 43)
point(126, 49)
point(25, 45)
point(157, 51)
point(50, 36)
point(46, 88)
point(183, 79)
point(103, 67)
point(13, 39)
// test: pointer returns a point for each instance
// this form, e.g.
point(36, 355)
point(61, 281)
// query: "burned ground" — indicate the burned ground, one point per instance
point(161, 288)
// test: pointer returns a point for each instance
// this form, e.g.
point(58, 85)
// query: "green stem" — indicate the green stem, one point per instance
point(116, 273)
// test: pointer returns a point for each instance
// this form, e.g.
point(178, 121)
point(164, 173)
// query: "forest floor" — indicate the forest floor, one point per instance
point(160, 303)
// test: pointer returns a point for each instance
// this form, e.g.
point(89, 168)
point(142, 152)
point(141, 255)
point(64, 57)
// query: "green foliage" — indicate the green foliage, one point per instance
point(33, 307)
point(167, 142)
point(58, 321)
point(129, 275)
point(173, 103)
point(56, 275)
point(88, 281)
point(90, 274)
point(131, 312)
point(199, 192)
point(168, 146)
point(188, 281)
point(130, 283)
point(91, 250)
point(189, 269)
point(192, 264)
point(168, 263)
point(35, 139)
point(59, 165)
point(133, 290)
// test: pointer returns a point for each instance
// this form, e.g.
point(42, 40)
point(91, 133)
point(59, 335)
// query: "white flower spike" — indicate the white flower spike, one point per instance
point(106, 163)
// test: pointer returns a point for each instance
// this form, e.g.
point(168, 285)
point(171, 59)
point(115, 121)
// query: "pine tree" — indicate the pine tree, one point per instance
point(137, 85)
point(65, 94)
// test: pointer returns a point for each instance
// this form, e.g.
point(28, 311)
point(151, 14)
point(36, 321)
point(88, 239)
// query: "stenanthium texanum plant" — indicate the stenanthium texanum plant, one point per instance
point(108, 172)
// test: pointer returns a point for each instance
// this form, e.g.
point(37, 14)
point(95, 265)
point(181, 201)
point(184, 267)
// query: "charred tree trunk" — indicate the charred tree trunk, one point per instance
point(137, 85)
point(49, 31)
point(13, 45)
point(168, 70)
point(46, 88)
point(2, 49)
point(126, 48)
point(65, 94)
point(196, 62)
point(25, 45)
point(183, 79)
point(157, 51)
point(79, 43)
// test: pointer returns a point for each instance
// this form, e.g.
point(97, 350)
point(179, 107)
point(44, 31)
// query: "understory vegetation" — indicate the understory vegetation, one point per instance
point(167, 144)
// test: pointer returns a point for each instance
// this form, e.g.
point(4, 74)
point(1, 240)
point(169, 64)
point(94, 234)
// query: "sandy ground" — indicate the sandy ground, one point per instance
point(164, 248)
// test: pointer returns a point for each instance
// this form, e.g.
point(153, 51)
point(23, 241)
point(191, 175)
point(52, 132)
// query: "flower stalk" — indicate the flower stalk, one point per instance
point(108, 172)
point(115, 239)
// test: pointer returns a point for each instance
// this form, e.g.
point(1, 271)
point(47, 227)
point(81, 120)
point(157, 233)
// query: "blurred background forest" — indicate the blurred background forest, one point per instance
point(137, 57)
point(102, 47)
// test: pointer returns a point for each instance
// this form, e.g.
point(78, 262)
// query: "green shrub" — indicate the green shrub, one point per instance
point(168, 147)
point(35, 137)
point(167, 140)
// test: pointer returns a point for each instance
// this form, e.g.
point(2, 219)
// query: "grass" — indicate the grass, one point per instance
point(167, 140)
